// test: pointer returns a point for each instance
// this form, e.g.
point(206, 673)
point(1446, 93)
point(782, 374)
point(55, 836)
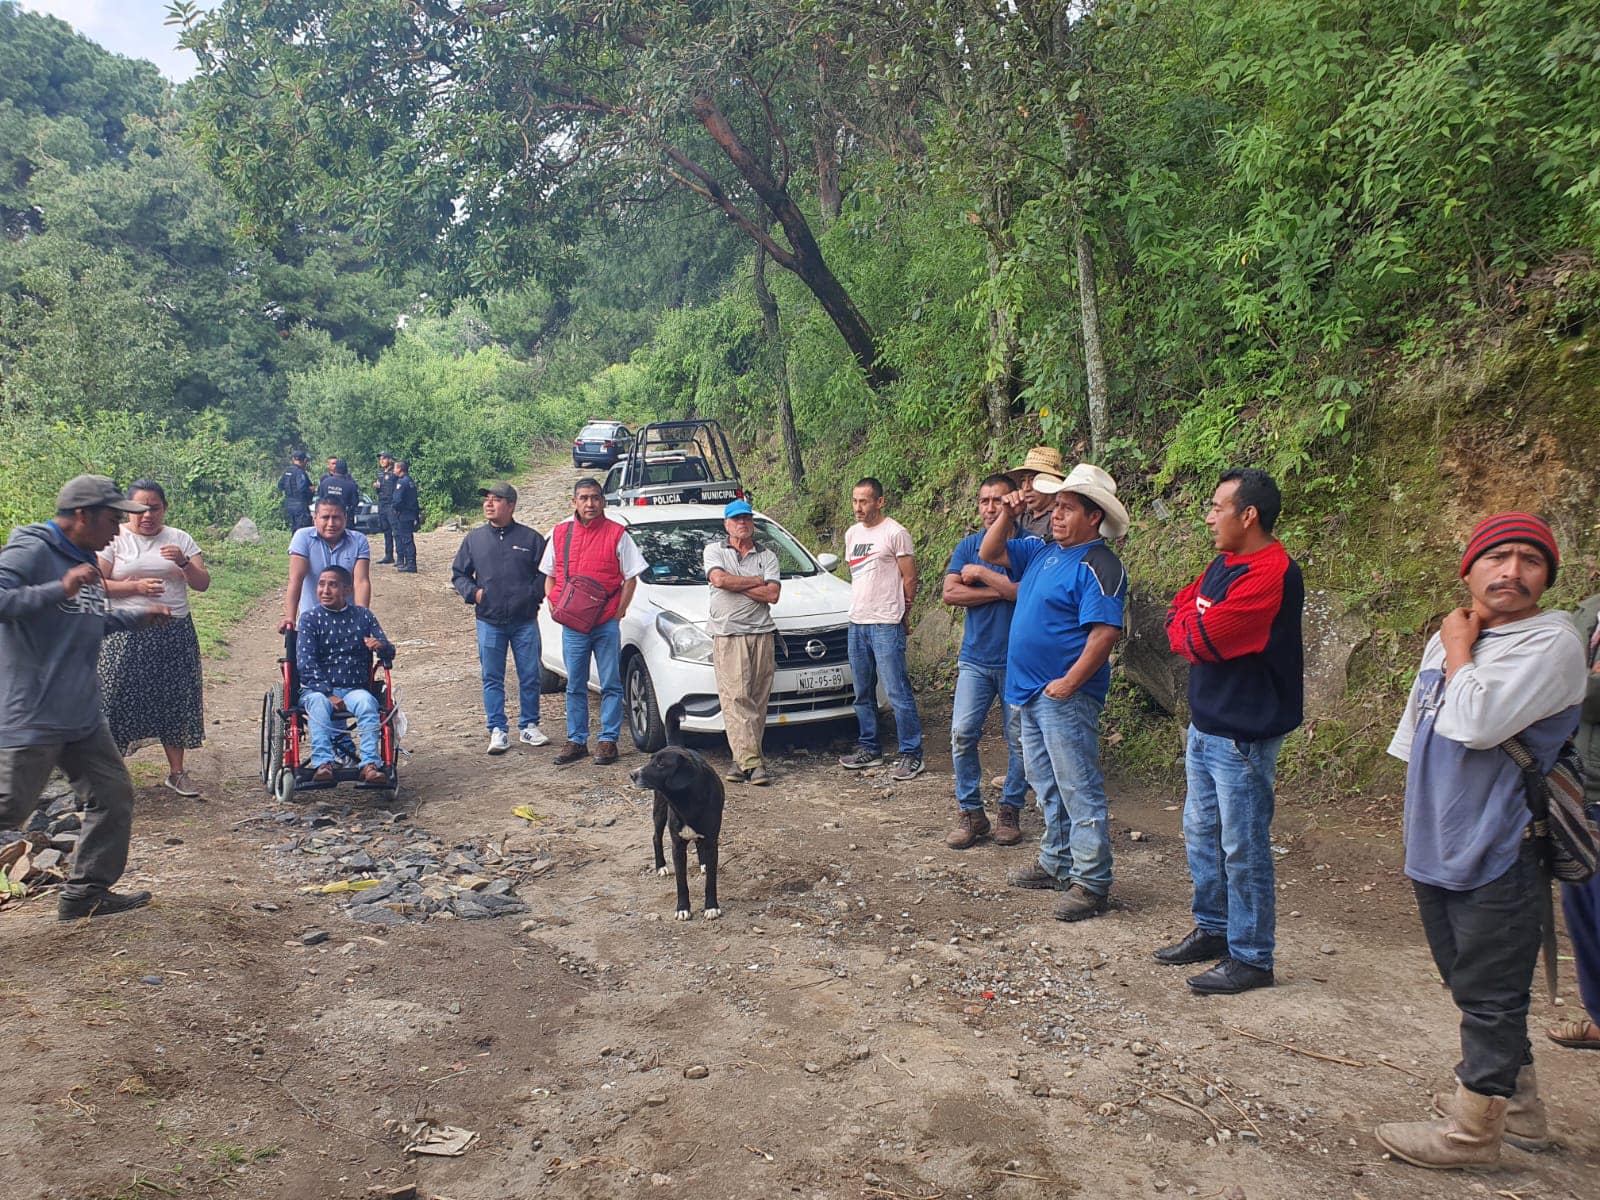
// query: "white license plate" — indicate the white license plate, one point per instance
point(820, 679)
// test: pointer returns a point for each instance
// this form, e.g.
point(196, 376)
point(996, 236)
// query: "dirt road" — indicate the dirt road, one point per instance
point(878, 1016)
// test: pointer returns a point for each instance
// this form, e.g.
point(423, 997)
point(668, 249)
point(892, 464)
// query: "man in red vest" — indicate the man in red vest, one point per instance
point(588, 544)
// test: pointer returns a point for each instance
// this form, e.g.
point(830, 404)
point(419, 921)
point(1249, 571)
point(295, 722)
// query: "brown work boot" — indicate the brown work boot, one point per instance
point(323, 774)
point(372, 774)
point(571, 753)
point(1080, 904)
point(973, 829)
point(1008, 831)
point(1525, 1118)
point(605, 753)
point(1469, 1137)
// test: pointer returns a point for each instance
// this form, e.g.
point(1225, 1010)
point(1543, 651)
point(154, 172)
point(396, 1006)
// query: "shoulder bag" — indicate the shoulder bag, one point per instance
point(1559, 816)
point(582, 598)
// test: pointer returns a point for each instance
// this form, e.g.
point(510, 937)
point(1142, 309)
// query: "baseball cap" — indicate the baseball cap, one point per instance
point(738, 508)
point(504, 490)
point(95, 491)
point(298, 456)
point(384, 454)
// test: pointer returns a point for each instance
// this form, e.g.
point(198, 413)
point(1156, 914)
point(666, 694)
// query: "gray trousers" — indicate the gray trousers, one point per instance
point(97, 773)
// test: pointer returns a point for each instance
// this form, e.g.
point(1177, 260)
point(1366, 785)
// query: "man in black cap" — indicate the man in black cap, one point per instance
point(295, 485)
point(384, 487)
point(53, 614)
point(404, 514)
point(497, 572)
point(337, 485)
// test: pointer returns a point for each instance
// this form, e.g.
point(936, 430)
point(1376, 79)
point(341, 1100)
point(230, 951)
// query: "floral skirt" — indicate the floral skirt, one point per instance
point(151, 683)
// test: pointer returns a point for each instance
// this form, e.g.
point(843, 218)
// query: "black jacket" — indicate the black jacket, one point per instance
point(295, 485)
point(341, 488)
point(404, 501)
point(505, 564)
point(385, 488)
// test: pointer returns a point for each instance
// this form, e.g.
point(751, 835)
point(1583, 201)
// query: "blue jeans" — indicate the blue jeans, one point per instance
point(523, 641)
point(604, 642)
point(1061, 747)
point(876, 649)
point(1227, 829)
point(320, 720)
point(977, 688)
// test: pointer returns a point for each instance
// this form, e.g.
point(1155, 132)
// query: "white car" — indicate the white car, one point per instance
point(666, 651)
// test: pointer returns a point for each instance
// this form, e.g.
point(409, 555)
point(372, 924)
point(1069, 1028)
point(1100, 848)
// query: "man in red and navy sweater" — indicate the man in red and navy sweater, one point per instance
point(1239, 627)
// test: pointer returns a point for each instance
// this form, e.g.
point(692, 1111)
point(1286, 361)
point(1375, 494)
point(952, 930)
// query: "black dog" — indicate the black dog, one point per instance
point(689, 802)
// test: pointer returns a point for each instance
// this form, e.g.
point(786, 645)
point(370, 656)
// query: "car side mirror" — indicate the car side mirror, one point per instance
point(827, 561)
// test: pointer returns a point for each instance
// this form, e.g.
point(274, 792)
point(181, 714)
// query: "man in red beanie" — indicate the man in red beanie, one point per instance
point(1499, 668)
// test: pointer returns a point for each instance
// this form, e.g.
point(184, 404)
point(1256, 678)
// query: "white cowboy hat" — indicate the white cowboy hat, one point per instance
point(1093, 484)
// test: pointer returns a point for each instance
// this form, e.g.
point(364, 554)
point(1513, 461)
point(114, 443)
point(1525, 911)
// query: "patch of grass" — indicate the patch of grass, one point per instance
point(240, 576)
point(226, 1154)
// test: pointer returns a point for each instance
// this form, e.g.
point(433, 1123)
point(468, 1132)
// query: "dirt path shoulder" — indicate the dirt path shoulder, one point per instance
point(874, 1016)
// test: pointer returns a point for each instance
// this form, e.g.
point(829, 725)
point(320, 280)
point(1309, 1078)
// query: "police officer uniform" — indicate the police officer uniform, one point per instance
point(384, 486)
point(340, 487)
point(404, 513)
point(295, 485)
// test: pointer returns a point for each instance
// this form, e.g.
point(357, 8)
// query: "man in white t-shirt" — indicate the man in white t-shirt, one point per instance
point(883, 583)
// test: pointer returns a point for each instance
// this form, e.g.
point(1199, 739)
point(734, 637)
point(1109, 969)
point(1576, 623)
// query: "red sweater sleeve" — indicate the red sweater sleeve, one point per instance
point(1230, 609)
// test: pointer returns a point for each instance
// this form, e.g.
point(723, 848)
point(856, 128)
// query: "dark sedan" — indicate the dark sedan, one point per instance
point(600, 444)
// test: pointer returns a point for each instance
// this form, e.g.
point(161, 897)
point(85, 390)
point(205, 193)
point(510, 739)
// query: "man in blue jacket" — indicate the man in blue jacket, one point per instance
point(53, 614)
point(496, 570)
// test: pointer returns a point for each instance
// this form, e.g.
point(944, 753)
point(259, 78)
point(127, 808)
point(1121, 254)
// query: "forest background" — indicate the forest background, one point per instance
point(1352, 243)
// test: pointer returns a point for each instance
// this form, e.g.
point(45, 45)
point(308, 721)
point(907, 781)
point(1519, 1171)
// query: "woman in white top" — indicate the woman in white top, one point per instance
point(150, 676)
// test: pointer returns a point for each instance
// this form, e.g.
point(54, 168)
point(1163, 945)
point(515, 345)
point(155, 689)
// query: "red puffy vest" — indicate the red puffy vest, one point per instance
point(594, 553)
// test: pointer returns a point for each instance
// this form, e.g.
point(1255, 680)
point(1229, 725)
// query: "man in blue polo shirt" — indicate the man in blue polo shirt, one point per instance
point(988, 594)
point(1069, 615)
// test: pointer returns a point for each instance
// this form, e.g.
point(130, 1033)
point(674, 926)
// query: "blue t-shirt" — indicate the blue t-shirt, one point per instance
point(1061, 592)
point(988, 626)
point(343, 553)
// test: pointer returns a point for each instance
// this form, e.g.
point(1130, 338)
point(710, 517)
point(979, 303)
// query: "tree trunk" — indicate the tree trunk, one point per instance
point(1000, 381)
point(804, 257)
point(1094, 355)
point(825, 143)
point(779, 358)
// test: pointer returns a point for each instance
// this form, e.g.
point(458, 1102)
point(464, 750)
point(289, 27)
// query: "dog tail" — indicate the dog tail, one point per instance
point(674, 719)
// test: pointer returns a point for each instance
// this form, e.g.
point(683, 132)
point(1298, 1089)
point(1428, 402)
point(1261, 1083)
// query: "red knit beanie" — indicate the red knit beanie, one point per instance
point(1511, 527)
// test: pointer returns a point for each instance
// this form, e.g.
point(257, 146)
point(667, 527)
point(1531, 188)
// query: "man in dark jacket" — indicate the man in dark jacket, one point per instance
point(404, 515)
point(337, 485)
point(497, 572)
point(1239, 627)
point(295, 485)
point(384, 487)
point(53, 614)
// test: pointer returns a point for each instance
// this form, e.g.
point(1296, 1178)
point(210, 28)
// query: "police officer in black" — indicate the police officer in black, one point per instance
point(337, 485)
point(295, 485)
point(384, 486)
point(404, 513)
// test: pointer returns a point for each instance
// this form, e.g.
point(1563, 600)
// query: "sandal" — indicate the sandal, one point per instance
point(1574, 1034)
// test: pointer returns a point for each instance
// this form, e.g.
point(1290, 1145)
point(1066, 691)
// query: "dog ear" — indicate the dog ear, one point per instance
point(681, 777)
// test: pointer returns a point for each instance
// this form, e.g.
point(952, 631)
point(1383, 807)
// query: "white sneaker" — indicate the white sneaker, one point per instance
point(499, 743)
point(182, 784)
point(532, 735)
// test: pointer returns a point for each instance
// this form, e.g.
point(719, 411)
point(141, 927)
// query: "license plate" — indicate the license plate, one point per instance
point(820, 679)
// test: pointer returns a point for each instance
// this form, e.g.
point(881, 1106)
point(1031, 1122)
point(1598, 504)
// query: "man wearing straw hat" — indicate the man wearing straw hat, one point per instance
point(1043, 462)
point(1070, 597)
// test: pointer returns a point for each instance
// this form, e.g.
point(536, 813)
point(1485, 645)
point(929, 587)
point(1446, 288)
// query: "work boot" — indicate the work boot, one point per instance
point(1469, 1137)
point(103, 903)
point(1036, 878)
point(1009, 830)
point(1079, 904)
point(974, 827)
point(605, 753)
point(1525, 1118)
point(571, 753)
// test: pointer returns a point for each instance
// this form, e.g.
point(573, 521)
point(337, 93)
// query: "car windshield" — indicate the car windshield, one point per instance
point(599, 432)
point(674, 549)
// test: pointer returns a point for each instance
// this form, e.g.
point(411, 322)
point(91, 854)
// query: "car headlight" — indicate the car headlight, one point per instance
point(685, 640)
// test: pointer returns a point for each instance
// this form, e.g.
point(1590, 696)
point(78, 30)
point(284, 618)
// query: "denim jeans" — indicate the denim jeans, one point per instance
point(604, 642)
point(320, 721)
point(1227, 830)
point(1061, 747)
point(875, 650)
point(1580, 902)
point(977, 688)
point(1485, 943)
point(522, 639)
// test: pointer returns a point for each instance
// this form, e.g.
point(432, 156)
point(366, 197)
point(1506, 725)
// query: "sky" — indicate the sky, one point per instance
point(135, 28)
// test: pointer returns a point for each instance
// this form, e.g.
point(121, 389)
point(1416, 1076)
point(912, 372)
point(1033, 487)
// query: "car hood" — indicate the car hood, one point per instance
point(804, 603)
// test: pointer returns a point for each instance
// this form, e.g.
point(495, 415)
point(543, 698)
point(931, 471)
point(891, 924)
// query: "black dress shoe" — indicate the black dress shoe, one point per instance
point(1198, 945)
point(99, 904)
point(1229, 977)
point(386, 560)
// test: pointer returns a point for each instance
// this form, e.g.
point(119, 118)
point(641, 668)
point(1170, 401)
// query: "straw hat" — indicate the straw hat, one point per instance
point(1093, 484)
point(1044, 459)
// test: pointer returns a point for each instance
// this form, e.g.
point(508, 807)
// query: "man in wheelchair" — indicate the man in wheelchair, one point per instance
point(333, 655)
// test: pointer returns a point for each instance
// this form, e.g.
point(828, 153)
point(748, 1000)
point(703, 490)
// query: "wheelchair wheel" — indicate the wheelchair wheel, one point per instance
point(285, 786)
point(273, 734)
point(267, 720)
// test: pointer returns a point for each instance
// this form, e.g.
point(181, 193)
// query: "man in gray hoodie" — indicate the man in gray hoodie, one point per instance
point(53, 614)
point(1498, 668)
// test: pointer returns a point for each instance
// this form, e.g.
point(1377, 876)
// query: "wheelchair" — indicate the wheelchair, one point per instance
point(286, 743)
